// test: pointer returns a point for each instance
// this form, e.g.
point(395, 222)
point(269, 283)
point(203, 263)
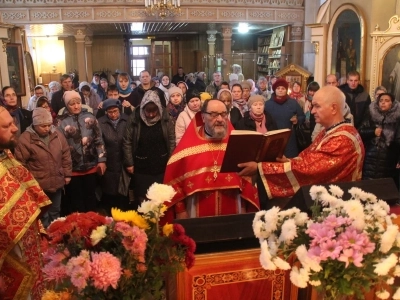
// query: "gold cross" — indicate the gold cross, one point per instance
point(215, 169)
point(208, 179)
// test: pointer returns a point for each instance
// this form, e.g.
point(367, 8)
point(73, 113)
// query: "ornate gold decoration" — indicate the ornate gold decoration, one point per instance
point(162, 8)
point(5, 42)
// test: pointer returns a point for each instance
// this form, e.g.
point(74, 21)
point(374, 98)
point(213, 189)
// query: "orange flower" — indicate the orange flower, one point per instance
point(127, 273)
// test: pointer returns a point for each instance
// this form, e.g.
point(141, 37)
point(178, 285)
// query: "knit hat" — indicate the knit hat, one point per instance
point(255, 98)
point(205, 96)
point(69, 95)
point(111, 103)
point(41, 116)
point(245, 85)
point(192, 93)
point(280, 82)
point(173, 90)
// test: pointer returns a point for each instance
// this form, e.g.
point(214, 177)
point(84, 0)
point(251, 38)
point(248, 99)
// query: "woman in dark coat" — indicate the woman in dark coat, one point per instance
point(113, 125)
point(381, 136)
point(286, 113)
point(256, 119)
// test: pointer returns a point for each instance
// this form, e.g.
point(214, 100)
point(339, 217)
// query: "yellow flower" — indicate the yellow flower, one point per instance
point(50, 295)
point(129, 216)
point(168, 229)
point(163, 209)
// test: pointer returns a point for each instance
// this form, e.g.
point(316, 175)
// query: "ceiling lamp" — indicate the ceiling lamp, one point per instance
point(243, 28)
point(162, 8)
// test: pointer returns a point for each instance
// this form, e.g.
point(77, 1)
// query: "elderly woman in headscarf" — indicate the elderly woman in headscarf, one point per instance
point(148, 142)
point(54, 86)
point(91, 97)
point(88, 154)
point(38, 91)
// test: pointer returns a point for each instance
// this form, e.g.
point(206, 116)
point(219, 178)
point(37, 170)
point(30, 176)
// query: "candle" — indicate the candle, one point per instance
point(40, 80)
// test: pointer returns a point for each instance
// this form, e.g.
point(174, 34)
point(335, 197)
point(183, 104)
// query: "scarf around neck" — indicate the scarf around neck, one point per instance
point(281, 100)
point(260, 122)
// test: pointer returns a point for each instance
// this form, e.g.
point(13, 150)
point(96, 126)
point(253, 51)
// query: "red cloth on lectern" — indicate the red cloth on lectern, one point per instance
point(20, 201)
point(334, 156)
point(190, 171)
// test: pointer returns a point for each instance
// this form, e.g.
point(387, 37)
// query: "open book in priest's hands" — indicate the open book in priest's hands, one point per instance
point(245, 145)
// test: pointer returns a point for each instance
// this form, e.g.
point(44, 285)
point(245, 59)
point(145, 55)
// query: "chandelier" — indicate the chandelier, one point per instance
point(162, 8)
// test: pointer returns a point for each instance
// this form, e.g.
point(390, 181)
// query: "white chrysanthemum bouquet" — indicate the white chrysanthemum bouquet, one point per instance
point(346, 248)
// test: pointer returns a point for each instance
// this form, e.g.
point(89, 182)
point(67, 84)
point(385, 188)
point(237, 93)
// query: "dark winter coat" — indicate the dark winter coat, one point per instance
point(381, 153)
point(358, 100)
point(235, 116)
point(282, 114)
point(113, 143)
point(49, 164)
point(132, 135)
point(247, 123)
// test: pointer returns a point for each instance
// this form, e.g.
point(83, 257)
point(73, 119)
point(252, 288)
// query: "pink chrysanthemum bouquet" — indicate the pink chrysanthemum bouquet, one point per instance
point(344, 249)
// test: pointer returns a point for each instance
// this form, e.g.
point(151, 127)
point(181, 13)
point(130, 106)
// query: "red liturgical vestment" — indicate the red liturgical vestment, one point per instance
point(193, 171)
point(20, 257)
point(334, 156)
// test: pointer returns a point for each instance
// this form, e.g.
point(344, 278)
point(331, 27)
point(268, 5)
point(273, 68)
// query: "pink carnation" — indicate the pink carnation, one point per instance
point(106, 270)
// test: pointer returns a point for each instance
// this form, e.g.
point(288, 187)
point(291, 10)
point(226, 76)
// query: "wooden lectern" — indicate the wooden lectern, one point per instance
point(227, 264)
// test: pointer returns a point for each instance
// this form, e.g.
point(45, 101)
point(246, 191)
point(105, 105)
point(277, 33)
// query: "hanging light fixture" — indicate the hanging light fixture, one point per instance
point(162, 8)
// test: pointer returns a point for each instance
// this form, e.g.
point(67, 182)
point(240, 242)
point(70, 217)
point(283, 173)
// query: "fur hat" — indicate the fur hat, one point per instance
point(192, 93)
point(111, 103)
point(280, 82)
point(255, 98)
point(69, 95)
point(41, 116)
point(173, 90)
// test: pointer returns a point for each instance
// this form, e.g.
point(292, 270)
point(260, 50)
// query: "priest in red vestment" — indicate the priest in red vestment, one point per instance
point(336, 155)
point(193, 170)
point(20, 201)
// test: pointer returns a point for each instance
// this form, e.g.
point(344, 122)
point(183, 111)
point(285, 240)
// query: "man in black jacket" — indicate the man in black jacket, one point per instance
point(57, 101)
point(180, 76)
point(356, 97)
point(146, 85)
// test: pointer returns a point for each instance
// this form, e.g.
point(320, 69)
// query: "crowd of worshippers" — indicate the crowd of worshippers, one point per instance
point(101, 145)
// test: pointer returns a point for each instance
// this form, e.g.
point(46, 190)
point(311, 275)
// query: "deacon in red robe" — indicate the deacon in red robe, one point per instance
point(20, 201)
point(336, 155)
point(193, 170)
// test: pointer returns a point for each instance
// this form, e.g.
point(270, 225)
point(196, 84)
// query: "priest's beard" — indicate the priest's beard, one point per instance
point(218, 131)
point(8, 145)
